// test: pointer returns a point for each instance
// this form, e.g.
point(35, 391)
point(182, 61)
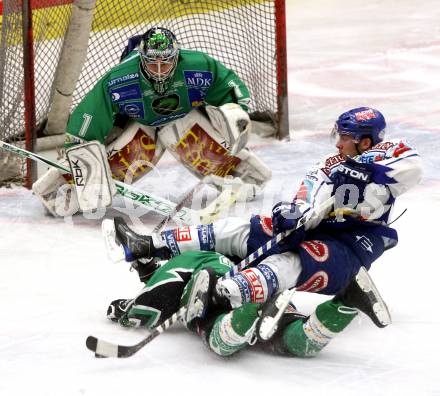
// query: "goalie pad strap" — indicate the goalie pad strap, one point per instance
point(91, 175)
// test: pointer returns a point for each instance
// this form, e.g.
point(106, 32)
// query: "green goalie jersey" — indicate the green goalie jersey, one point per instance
point(197, 80)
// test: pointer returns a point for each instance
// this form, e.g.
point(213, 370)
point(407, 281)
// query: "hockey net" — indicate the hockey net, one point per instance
point(248, 36)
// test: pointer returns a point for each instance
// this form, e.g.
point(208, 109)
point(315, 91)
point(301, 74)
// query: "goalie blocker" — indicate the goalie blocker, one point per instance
point(91, 185)
point(92, 176)
point(209, 142)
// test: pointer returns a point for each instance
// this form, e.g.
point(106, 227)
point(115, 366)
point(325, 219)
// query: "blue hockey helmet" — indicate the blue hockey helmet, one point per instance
point(360, 123)
point(159, 51)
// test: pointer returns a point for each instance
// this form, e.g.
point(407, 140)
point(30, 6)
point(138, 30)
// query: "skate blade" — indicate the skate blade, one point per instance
point(269, 325)
point(115, 252)
point(198, 307)
point(380, 309)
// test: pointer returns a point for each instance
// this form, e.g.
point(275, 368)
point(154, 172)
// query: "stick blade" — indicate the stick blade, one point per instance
point(101, 348)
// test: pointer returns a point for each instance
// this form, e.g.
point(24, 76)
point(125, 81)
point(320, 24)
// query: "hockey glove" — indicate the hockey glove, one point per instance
point(285, 216)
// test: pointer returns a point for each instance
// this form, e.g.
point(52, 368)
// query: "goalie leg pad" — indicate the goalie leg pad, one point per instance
point(251, 169)
point(231, 122)
point(133, 153)
point(56, 194)
point(92, 175)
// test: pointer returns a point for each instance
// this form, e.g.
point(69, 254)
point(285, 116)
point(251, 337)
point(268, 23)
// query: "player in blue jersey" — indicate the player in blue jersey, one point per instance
point(364, 178)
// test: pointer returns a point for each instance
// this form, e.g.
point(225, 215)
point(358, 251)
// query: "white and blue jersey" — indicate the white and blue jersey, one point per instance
point(396, 168)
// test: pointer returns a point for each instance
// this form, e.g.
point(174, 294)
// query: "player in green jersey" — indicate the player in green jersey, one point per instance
point(189, 280)
point(166, 288)
point(160, 97)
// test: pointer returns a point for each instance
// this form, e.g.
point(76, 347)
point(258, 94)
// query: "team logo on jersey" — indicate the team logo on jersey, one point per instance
point(127, 92)
point(166, 105)
point(133, 109)
point(123, 79)
point(183, 234)
point(317, 249)
point(198, 79)
point(318, 281)
point(304, 191)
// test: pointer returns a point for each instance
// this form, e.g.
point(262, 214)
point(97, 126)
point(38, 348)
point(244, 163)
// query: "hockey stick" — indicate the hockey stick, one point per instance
point(324, 207)
point(208, 214)
point(154, 203)
point(187, 197)
point(106, 349)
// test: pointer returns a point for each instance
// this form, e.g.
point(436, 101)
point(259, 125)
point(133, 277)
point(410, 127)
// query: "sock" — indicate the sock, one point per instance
point(310, 337)
point(233, 331)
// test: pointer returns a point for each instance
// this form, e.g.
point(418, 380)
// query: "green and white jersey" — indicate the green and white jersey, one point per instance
point(169, 287)
point(197, 80)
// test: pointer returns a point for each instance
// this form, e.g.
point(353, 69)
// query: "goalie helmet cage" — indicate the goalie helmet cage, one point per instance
point(248, 36)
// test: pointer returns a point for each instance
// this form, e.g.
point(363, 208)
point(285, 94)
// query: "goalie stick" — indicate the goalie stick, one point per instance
point(152, 202)
point(107, 349)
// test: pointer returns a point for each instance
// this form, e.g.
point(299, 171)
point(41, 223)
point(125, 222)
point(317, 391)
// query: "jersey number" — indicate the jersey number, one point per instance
point(85, 125)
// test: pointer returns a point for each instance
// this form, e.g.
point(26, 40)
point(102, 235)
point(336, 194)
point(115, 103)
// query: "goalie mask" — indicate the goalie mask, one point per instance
point(159, 51)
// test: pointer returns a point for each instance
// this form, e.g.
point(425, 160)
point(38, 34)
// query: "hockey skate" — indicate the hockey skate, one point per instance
point(361, 293)
point(199, 297)
point(125, 244)
point(271, 314)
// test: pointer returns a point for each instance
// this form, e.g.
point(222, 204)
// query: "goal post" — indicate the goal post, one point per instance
point(71, 54)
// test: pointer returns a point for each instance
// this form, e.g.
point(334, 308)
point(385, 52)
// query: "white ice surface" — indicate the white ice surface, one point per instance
point(56, 282)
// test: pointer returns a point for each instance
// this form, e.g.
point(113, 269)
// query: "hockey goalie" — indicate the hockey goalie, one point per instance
point(159, 97)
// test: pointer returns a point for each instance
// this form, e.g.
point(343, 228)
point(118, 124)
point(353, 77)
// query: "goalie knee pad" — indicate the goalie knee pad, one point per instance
point(252, 171)
point(56, 194)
